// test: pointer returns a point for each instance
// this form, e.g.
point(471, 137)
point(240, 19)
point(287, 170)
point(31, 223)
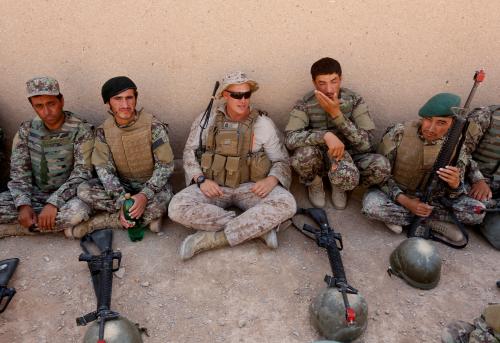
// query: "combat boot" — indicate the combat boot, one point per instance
point(316, 192)
point(447, 230)
point(339, 198)
point(202, 241)
point(7, 230)
point(270, 238)
point(394, 227)
point(78, 231)
point(155, 225)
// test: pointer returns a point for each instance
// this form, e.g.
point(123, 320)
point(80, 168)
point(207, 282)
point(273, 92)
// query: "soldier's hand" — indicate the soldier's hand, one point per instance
point(125, 223)
point(47, 218)
point(450, 175)
point(335, 146)
point(26, 216)
point(481, 191)
point(332, 107)
point(263, 187)
point(211, 189)
point(137, 209)
point(415, 206)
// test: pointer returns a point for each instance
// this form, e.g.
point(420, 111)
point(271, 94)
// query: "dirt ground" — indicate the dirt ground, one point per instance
point(243, 294)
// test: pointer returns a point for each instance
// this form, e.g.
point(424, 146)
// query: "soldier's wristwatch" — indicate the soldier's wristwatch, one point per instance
point(200, 180)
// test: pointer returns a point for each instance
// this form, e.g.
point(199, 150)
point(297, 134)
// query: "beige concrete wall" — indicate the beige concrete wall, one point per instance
point(395, 53)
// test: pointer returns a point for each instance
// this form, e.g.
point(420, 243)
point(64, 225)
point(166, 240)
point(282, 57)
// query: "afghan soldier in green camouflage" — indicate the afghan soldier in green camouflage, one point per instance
point(485, 329)
point(50, 158)
point(412, 149)
point(329, 132)
point(132, 154)
point(484, 171)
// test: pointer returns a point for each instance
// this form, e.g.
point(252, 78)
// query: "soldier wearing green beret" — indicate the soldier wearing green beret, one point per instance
point(50, 158)
point(412, 149)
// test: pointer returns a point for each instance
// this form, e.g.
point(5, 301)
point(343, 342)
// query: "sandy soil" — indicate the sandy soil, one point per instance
point(243, 294)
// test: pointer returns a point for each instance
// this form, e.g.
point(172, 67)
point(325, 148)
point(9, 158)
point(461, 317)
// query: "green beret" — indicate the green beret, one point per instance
point(440, 105)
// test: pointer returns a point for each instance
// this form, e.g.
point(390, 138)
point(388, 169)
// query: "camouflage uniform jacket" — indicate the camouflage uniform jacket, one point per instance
point(21, 184)
point(394, 135)
point(354, 127)
point(480, 121)
point(266, 135)
point(118, 187)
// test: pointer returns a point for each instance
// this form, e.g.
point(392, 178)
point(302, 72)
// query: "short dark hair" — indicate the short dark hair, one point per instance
point(324, 66)
point(59, 96)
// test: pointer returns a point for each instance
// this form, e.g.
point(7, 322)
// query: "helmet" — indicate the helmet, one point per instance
point(327, 312)
point(416, 261)
point(120, 330)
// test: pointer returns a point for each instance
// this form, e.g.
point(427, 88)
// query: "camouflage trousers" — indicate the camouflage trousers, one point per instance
point(463, 332)
point(93, 193)
point(377, 205)
point(191, 208)
point(361, 169)
point(70, 214)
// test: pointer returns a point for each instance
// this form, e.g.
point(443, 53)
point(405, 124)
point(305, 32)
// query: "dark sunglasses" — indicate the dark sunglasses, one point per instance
point(240, 95)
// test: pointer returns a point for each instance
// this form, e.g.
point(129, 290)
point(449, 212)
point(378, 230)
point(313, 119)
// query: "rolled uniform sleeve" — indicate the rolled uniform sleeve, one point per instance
point(267, 137)
point(163, 159)
point(82, 166)
point(191, 166)
point(20, 184)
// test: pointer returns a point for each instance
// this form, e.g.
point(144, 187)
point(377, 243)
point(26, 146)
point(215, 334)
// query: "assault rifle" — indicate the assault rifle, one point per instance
point(448, 155)
point(204, 121)
point(327, 238)
point(101, 268)
point(7, 268)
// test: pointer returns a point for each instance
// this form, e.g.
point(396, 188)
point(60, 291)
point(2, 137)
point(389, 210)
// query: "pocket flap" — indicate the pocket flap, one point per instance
point(206, 160)
point(218, 163)
point(232, 164)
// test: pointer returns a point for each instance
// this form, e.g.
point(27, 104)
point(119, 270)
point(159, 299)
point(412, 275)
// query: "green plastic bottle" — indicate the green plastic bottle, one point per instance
point(136, 232)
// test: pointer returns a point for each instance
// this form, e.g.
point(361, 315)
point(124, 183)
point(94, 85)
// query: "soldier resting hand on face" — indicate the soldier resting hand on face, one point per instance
point(242, 163)
point(412, 149)
point(329, 132)
point(132, 154)
point(50, 158)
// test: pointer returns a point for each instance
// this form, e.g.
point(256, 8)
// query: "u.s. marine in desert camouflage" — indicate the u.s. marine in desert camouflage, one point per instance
point(329, 132)
point(50, 158)
point(132, 154)
point(244, 164)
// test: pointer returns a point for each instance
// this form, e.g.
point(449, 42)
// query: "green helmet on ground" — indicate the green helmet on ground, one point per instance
point(416, 261)
point(327, 312)
point(119, 330)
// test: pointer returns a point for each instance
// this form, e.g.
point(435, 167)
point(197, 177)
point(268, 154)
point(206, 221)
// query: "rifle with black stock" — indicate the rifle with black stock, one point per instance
point(101, 268)
point(204, 121)
point(327, 238)
point(7, 269)
point(448, 156)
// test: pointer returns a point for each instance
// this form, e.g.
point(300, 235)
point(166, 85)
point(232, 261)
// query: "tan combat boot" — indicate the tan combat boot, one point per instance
point(446, 230)
point(7, 230)
point(155, 225)
point(394, 227)
point(100, 221)
point(202, 241)
point(316, 192)
point(339, 198)
point(270, 238)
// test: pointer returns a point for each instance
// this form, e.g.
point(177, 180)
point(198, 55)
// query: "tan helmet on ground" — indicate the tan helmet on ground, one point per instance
point(416, 261)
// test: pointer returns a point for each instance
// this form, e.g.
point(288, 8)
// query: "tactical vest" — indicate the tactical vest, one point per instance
point(51, 152)
point(487, 154)
point(228, 157)
point(319, 119)
point(131, 147)
point(414, 160)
